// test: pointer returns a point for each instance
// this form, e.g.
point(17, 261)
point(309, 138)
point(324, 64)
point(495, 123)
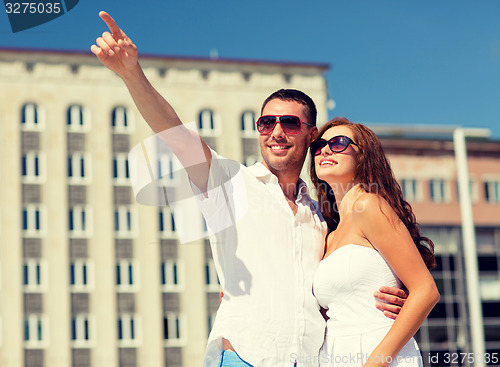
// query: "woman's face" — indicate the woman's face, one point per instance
point(336, 167)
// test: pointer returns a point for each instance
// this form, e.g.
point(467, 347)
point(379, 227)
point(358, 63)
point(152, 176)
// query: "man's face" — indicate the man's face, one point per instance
point(285, 153)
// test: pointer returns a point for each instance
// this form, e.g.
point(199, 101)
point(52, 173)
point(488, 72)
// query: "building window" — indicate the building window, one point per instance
point(34, 275)
point(489, 286)
point(30, 117)
point(124, 221)
point(446, 240)
point(35, 331)
point(82, 327)
point(167, 223)
point(128, 330)
point(171, 276)
point(81, 274)
point(206, 122)
point(211, 279)
point(411, 190)
point(173, 329)
point(78, 170)
point(77, 118)
point(127, 274)
point(439, 190)
point(166, 169)
point(248, 125)
point(473, 191)
point(492, 191)
point(486, 241)
point(120, 120)
point(211, 320)
point(79, 221)
point(121, 172)
point(32, 165)
point(33, 221)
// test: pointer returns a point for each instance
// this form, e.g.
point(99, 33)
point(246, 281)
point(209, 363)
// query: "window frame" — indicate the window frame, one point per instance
point(125, 125)
point(31, 162)
point(121, 169)
point(127, 269)
point(77, 324)
point(416, 189)
point(36, 321)
point(171, 269)
point(125, 221)
point(35, 122)
point(128, 324)
point(180, 329)
point(214, 128)
point(84, 123)
point(81, 275)
point(212, 281)
point(487, 183)
point(86, 220)
point(35, 275)
point(444, 191)
point(166, 227)
point(33, 213)
point(248, 124)
point(76, 162)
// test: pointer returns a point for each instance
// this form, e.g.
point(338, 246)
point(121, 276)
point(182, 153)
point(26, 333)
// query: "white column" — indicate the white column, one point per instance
point(469, 247)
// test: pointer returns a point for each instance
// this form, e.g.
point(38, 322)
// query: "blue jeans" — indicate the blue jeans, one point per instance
point(232, 359)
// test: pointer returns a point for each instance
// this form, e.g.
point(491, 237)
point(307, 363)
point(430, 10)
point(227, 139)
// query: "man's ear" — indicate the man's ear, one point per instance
point(313, 134)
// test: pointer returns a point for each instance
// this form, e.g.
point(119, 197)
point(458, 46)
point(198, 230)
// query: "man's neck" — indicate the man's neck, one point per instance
point(287, 180)
point(288, 184)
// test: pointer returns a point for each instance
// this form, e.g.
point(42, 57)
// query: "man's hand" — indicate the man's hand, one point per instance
point(395, 299)
point(115, 50)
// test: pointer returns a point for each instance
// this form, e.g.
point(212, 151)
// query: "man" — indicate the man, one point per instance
point(265, 260)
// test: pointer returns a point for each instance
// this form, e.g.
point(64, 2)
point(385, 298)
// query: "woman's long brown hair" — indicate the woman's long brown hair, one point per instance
point(375, 175)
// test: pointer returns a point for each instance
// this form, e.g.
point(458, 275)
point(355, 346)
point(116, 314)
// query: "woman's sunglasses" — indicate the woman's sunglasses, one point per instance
point(289, 123)
point(337, 144)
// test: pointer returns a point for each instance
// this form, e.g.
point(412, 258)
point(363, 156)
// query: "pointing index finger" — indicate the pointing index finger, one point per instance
point(113, 27)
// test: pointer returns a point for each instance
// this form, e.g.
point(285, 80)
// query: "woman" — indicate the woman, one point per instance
point(374, 241)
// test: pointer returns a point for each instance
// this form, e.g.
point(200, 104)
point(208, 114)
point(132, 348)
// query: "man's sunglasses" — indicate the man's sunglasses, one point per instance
point(289, 123)
point(337, 144)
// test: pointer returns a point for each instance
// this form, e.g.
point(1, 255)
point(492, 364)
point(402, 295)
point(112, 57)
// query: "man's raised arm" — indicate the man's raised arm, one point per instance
point(118, 53)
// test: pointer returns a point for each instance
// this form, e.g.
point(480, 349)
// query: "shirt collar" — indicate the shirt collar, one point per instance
point(263, 174)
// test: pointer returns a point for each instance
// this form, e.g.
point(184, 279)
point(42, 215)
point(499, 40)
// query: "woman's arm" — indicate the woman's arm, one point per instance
point(384, 230)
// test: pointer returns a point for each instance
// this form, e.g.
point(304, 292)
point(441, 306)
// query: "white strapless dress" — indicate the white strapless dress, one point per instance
point(344, 284)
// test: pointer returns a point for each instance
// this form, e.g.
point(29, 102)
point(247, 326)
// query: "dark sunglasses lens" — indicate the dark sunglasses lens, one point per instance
point(317, 146)
point(265, 124)
point(290, 124)
point(339, 143)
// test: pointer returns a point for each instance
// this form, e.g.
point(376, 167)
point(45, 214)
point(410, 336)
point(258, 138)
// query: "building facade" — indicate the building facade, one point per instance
point(87, 276)
point(90, 278)
point(427, 172)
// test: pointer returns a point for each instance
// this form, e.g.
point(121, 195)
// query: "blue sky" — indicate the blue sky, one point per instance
point(392, 61)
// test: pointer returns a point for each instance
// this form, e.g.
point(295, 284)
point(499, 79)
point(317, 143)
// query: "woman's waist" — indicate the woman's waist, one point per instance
point(351, 327)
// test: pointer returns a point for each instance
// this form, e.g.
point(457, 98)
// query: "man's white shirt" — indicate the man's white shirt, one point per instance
point(265, 257)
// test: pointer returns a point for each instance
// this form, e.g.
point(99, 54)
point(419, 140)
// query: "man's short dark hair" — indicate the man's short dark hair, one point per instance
point(294, 95)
